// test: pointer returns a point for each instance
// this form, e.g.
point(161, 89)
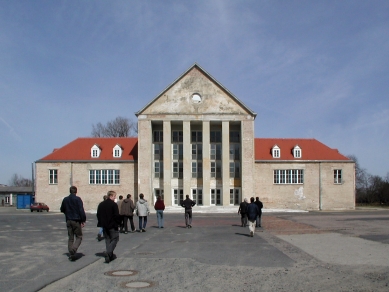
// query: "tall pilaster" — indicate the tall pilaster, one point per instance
point(187, 159)
point(167, 163)
point(226, 162)
point(248, 159)
point(206, 164)
point(145, 168)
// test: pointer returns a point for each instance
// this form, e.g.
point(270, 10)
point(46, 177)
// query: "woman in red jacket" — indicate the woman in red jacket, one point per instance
point(159, 207)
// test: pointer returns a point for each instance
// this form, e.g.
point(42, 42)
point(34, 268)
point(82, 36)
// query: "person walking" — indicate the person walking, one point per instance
point(142, 210)
point(159, 207)
point(252, 213)
point(242, 212)
point(108, 217)
point(100, 235)
point(73, 209)
point(127, 211)
point(260, 206)
point(121, 225)
point(188, 204)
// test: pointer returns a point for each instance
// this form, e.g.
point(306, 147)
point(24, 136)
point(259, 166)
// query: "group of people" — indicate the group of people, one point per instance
point(251, 214)
point(113, 217)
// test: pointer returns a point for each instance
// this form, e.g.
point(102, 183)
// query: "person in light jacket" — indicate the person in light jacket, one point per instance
point(142, 210)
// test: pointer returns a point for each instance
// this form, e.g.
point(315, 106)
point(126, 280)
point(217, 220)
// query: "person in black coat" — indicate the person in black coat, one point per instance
point(188, 204)
point(260, 206)
point(108, 217)
point(242, 212)
point(252, 213)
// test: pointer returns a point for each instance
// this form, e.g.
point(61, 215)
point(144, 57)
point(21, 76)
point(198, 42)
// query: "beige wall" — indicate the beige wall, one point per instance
point(77, 174)
point(317, 192)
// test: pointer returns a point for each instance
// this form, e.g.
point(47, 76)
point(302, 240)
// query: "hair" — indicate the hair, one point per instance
point(187, 196)
point(120, 197)
point(105, 197)
point(73, 190)
point(141, 196)
point(128, 196)
point(252, 199)
point(257, 198)
point(245, 199)
point(111, 193)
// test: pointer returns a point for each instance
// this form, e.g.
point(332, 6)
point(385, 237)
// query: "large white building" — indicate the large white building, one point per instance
point(197, 138)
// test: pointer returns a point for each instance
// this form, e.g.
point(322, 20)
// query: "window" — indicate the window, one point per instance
point(216, 151)
point(158, 169)
point(117, 151)
point(53, 176)
point(297, 152)
point(177, 136)
point(289, 176)
point(178, 151)
point(95, 151)
point(234, 152)
point(234, 137)
point(197, 151)
point(216, 197)
point(158, 136)
point(197, 137)
point(178, 196)
point(235, 196)
point(197, 169)
point(104, 176)
point(216, 169)
point(234, 169)
point(216, 136)
point(177, 170)
point(276, 152)
point(158, 151)
point(337, 176)
point(158, 192)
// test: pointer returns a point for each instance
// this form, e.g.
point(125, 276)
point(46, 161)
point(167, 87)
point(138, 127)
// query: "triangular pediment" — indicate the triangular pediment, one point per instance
point(195, 92)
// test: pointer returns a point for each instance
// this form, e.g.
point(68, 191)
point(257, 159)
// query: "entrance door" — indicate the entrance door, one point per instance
point(216, 197)
point(235, 196)
point(197, 196)
point(178, 197)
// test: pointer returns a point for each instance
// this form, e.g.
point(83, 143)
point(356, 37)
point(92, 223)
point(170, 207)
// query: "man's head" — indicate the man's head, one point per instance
point(120, 197)
point(111, 195)
point(252, 199)
point(141, 196)
point(257, 198)
point(73, 190)
point(128, 196)
point(187, 196)
point(245, 199)
point(105, 197)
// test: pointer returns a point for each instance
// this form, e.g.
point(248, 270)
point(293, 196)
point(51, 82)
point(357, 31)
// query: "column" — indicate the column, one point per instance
point(145, 167)
point(167, 163)
point(187, 159)
point(226, 162)
point(206, 164)
point(247, 163)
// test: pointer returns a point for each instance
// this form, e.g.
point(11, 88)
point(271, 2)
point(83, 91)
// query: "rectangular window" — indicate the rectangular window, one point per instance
point(178, 196)
point(178, 169)
point(158, 169)
point(178, 151)
point(197, 151)
point(158, 136)
point(288, 176)
point(197, 169)
point(337, 176)
point(216, 136)
point(216, 169)
point(104, 176)
point(158, 151)
point(234, 152)
point(216, 197)
point(216, 151)
point(197, 196)
point(234, 169)
point(177, 136)
point(234, 137)
point(197, 137)
point(53, 176)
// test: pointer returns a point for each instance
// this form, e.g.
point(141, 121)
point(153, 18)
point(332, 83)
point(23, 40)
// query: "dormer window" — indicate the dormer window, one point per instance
point(276, 151)
point(297, 152)
point(117, 151)
point(95, 151)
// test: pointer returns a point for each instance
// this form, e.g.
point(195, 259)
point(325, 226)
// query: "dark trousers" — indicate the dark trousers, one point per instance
point(111, 239)
point(121, 224)
point(125, 223)
point(243, 219)
point(188, 217)
point(144, 219)
point(74, 230)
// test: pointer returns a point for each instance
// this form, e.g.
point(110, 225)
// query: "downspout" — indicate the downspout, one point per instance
point(320, 199)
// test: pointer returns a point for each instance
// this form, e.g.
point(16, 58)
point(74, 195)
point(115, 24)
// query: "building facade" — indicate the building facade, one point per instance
point(197, 138)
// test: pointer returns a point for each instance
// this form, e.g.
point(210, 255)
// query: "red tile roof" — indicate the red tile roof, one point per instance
point(80, 150)
point(311, 149)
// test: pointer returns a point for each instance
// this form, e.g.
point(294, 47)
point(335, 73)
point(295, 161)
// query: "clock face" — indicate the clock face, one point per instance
point(196, 98)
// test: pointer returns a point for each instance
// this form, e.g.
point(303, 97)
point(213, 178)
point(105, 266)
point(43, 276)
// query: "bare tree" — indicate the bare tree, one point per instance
point(19, 181)
point(119, 127)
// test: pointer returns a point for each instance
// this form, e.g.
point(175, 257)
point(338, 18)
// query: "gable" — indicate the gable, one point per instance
point(195, 92)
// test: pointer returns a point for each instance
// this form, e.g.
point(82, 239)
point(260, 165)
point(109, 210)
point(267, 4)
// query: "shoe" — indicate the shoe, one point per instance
point(113, 257)
point(190, 226)
point(107, 258)
point(161, 226)
point(143, 230)
point(251, 233)
point(72, 258)
point(140, 230)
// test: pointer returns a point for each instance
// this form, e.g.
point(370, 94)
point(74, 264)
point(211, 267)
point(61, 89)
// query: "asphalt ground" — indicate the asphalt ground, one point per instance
point(313, 251)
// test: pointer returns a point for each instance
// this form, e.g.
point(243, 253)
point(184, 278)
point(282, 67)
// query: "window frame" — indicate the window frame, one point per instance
point(338, 176)
point(53, 176)
point(288, 176)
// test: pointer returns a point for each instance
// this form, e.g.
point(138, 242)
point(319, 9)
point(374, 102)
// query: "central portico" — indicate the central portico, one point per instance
point(196, 138)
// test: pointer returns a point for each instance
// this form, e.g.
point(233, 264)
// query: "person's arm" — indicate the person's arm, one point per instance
point(63, 208)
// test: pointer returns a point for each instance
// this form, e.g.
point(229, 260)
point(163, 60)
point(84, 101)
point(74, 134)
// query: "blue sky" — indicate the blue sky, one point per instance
point(309, 69)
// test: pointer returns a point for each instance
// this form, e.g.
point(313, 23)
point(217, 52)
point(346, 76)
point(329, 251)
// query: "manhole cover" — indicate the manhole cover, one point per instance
point(121, 273)
point(137, 284)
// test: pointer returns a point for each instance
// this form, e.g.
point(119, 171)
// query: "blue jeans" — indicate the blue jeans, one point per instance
point(144, 219)
point(160, 218)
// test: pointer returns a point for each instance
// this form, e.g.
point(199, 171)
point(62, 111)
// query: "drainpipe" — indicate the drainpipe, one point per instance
point(320, 199)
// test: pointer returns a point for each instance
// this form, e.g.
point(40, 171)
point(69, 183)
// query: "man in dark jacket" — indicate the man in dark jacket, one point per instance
point(73, 209)
point(242, 211)
point(260, 206)
point(108, 217)
point(188, 204)
point(252, 213)
point(127, 212)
